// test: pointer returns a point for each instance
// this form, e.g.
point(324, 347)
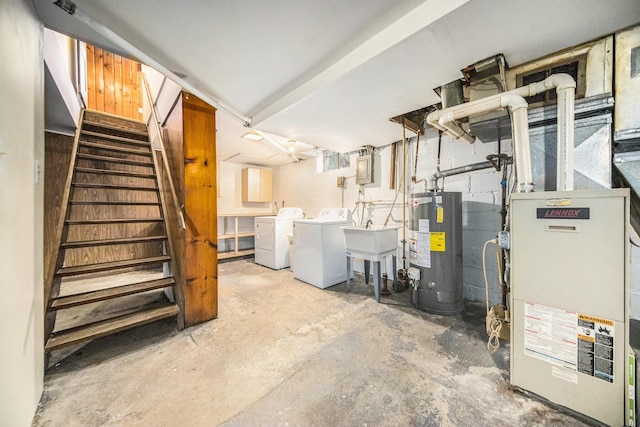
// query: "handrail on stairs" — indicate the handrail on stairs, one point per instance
point(165, 162)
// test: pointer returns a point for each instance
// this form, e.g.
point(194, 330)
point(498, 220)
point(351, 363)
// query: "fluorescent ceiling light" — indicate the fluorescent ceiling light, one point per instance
point(253, 136)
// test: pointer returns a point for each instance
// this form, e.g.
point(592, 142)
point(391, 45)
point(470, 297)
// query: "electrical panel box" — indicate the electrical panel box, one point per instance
point(364, 169)
point(569, 299)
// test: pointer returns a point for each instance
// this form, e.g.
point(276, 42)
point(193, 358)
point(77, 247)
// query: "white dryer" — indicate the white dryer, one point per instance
point(271, 242)
point(318, 248)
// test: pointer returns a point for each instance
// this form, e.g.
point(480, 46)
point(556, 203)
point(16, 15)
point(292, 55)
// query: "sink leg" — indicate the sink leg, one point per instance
point(367, 265)
point(395, 270)
point(349, 267)
point(376, 279)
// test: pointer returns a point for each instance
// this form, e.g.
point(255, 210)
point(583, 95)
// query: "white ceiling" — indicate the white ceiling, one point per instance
point(329, 73)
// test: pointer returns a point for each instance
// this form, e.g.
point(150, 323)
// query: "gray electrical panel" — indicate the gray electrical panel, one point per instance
point(569, 300)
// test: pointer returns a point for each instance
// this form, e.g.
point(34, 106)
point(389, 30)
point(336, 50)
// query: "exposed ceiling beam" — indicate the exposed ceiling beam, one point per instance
point(404, 27)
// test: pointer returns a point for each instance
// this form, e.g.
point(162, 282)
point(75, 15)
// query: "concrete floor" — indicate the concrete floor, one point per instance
point(284, 353)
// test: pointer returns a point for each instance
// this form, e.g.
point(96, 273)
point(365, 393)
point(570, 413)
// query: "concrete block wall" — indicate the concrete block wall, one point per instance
point(300, 185)
point(481, 198)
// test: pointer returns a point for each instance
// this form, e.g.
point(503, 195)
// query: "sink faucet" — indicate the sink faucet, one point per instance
point(369, 222)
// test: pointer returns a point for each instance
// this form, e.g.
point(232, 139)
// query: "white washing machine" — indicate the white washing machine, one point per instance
point(318, 248)
point(272, 244)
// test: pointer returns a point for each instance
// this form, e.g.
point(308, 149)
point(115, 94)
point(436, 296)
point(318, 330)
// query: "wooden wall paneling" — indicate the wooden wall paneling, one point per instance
point(127, 107)
point(99, 72)
point(113, 84)
point(137, 91)
point(118, 79)
point(201, 235)
point(109, 87)
point(91, 78)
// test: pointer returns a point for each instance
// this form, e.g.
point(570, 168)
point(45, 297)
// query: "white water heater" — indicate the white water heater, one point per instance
point(569, 301)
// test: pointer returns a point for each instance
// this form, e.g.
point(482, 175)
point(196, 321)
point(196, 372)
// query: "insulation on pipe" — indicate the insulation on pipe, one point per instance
point(518, 107)
point(513, 99)
point(566, 130)
point(450, 125)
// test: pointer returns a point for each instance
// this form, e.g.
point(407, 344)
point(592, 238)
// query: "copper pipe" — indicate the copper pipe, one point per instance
point(392, 172)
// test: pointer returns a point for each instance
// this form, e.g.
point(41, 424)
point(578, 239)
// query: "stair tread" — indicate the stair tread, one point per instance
point(99, 329)
point(114, 172)
point(114, 160)
point(146, 153)
point(111, 221)
point(122, 139)
point(113, 202)
point(115, 186)
point(112, 265)
point(119, 241)
point(117, 128)
point(74, 300)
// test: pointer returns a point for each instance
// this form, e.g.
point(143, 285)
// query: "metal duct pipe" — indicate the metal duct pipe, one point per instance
point(457, 171)
point(513, 99)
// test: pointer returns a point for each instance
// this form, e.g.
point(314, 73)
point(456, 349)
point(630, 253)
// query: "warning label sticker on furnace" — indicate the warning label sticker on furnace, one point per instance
point(595, 346)
point(575, 341)
point(550, 334)
point(437, 241)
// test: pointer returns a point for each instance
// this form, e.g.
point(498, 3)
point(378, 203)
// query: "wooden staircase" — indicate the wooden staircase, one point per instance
point(112, 225)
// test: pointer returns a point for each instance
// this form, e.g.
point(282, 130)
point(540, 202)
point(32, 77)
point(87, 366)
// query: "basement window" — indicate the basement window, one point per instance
point(331, 160)
point(575, 67)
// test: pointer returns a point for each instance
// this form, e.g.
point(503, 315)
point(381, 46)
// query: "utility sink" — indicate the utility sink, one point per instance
point(370, 243)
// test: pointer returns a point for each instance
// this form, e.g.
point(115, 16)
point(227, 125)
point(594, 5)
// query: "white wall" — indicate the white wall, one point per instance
point(300, 185)
point(164, 93)
point(21, 212)
point(230, 202)
point(230, 195)
point(58, 57)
